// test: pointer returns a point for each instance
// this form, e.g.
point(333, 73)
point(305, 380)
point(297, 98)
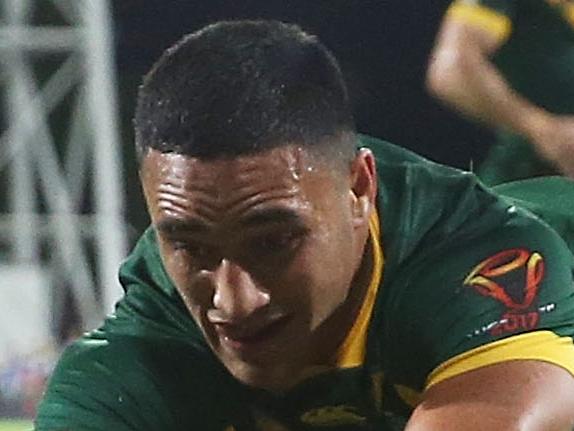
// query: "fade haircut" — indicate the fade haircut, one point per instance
point(239, 87)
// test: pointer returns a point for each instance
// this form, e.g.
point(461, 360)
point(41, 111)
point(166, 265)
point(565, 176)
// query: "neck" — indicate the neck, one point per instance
point(357, 296)
point(338, 326)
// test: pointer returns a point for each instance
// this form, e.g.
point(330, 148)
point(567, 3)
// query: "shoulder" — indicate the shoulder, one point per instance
point(482, 284)
point(144, 265)
point(550, 198)
point(130, 383)
point(422, 203)
point(492, 15)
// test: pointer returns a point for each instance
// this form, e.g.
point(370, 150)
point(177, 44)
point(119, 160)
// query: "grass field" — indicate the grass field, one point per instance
point(15, 425)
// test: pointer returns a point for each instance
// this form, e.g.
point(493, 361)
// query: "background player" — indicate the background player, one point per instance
point(510, 64)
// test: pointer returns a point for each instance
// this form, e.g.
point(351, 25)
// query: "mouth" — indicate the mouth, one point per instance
point(245, 340)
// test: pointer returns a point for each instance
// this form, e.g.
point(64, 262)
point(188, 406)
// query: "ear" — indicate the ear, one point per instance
point(363, 186)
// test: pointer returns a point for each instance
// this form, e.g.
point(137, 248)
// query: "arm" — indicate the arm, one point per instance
point(461, 74)
point(509, 396)
point(489, 362)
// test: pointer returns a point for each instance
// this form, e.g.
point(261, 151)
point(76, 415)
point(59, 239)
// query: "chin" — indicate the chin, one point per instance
point(273, 378)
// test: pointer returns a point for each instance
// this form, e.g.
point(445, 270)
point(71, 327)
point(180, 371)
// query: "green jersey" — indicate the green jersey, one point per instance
point(536, 59)
point(462, 278)
point(550, 198)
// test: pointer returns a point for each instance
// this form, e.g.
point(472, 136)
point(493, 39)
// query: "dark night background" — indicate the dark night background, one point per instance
point(383, 47)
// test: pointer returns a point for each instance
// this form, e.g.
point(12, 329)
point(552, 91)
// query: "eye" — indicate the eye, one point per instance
point(195, 250)
point(278, 243)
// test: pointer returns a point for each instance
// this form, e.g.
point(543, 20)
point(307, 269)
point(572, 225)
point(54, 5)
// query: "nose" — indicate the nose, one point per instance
point(236, 295)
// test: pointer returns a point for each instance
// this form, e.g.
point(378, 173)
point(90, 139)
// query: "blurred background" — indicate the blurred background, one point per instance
point(70, 204)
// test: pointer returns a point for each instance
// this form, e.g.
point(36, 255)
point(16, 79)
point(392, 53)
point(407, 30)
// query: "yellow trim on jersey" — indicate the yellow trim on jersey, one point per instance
point(538, 345)
point(568, 11)
point(352, 351)
point(495, 23)
point(409, 395)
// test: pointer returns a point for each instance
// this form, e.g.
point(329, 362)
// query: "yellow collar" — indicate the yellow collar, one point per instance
point(351, 353)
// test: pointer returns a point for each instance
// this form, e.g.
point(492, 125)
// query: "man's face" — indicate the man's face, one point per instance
point(263, 250)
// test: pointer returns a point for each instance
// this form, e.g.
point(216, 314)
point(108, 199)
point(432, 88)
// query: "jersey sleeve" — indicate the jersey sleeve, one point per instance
point(493, 16)
point(485, 298)
point(538, 195)
point(134, 384)
point(97, 386)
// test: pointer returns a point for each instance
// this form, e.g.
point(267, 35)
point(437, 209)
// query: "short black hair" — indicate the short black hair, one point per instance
point(239, 87)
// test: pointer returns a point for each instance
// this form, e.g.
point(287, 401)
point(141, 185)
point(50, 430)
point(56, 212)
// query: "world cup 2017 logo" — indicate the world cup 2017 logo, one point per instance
point(511, 277)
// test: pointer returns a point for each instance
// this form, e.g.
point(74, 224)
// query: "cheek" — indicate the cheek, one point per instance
point(194, 293)
point(325, 269)
point(335, 249)
point(174, 264)
point(338, 262)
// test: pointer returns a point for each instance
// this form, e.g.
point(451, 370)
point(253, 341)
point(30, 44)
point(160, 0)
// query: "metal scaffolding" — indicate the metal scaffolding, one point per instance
point(61, 194)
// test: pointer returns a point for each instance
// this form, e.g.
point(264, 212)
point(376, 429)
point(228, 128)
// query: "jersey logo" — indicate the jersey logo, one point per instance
point(333, 416)
point(511, 277)
point(501, 275)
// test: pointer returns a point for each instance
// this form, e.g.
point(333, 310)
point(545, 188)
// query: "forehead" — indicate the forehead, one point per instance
point(283, 165)
point(287, 175)
point(284, 162)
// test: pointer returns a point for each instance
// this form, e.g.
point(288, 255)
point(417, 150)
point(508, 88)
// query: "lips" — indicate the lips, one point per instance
point(243, 336)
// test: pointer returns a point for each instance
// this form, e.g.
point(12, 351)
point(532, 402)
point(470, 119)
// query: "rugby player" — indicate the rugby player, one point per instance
point(299, 276)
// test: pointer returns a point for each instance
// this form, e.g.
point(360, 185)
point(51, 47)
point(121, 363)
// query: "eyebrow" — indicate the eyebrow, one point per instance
point(263, 216)
point(255, 218)
point(175, 225)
